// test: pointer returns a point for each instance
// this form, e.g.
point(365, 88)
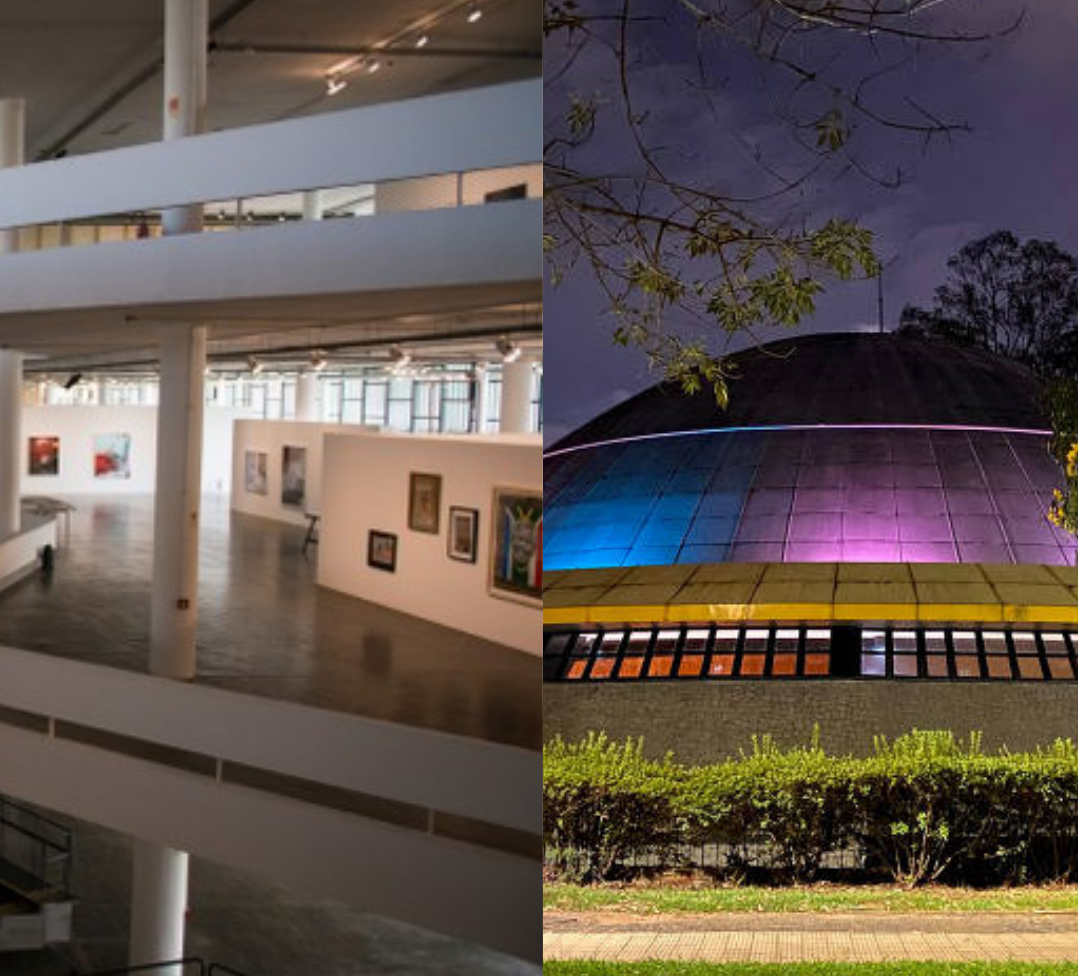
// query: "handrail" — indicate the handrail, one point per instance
point(203, 969)
point(452, 133)
point(150, 967)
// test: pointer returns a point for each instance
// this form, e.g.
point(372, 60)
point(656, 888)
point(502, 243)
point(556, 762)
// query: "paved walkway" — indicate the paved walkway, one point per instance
point(804, 937)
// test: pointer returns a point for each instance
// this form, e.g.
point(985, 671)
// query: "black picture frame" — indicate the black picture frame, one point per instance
point(382, 551)
point(462, 536)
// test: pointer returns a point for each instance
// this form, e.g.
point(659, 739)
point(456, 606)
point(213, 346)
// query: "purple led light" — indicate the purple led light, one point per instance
point(964, 428)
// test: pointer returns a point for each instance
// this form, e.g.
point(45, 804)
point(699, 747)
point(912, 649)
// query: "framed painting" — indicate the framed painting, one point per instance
point(44, 456)
point(463, 533)
point(112, 456)
point(424, 502)
point(256, 480)
point(516, 545)
point(294, 476)
point(382, 551)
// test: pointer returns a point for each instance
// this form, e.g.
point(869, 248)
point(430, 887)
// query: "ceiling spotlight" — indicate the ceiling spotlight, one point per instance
point(474, 13)
point(318, 361)
point(335, 85)
point(509, 350)
point(374, 66)
point(255, 365)
point(422, 41)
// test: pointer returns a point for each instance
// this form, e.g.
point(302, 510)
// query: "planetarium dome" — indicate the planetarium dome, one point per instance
point(835, 448)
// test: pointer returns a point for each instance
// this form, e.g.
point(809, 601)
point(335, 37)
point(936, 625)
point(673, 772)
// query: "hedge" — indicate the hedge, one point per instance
point(927, 806)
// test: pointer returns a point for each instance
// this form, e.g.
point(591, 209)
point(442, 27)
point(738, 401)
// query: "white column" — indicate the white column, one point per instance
point(186, 26)
point(174, 611)
point(313, 206)
point(158, 904)
point(517, 381)
point(159, 885)
point(482, 398)
point(12, 153)
point(10, 441)
point(307, 397)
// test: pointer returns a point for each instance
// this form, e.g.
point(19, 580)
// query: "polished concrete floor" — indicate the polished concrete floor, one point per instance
point(265, 628)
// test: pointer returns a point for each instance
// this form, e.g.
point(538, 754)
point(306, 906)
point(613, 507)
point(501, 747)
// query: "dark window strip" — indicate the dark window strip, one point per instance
point(191, 762)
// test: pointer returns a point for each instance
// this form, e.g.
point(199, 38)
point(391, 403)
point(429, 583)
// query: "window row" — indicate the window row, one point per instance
point(719, 652)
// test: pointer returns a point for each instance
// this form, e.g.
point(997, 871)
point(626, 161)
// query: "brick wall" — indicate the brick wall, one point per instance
point(701, 721)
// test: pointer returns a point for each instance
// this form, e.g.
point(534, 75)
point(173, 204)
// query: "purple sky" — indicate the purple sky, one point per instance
point(1017, 169)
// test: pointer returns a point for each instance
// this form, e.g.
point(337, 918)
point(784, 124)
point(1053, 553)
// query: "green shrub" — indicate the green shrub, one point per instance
point(927, 806)
point(603, 803)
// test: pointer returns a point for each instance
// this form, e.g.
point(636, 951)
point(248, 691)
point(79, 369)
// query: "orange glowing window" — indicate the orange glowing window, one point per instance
point(998, 666)
point(722, 665)
point(967, 666)
point(752, 665)
point(631, 667)
point(691, 665)
point(817, 664)
point(576, 670)
point(1060, 668)
point(784, 664)
point(1029, 668)
point(602, 668)
point(905, 666)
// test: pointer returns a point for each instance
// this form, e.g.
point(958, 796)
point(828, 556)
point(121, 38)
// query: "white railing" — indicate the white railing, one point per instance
point(432, 828)
point(481, 129)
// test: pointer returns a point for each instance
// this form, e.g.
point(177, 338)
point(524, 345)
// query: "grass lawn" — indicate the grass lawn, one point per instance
point(583, 968)
point(658, 898)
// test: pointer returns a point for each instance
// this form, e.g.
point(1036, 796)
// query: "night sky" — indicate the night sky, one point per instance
point(1017, 170)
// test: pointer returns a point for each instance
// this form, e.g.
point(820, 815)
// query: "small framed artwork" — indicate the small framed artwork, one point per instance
point(112, 456)
point(294, 476)
point(44, 456)
point(516, 545)
point(424, 502)
point(382, 551)
point(463, 533)
point(255, 476)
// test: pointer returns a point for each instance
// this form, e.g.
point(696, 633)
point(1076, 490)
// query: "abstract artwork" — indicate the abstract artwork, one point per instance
point(112, 456)
point(424, 502)
point(294, 476)
point(516, 551)
point(44, 455)
point(255, 478)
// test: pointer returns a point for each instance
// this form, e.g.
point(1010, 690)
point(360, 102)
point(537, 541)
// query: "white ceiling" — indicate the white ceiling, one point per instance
point(90, 71)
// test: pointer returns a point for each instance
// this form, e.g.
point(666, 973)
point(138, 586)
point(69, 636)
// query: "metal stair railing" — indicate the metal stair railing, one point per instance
point(188, 966)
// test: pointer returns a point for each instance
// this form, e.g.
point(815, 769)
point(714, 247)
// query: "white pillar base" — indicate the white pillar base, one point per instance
point(158, 904)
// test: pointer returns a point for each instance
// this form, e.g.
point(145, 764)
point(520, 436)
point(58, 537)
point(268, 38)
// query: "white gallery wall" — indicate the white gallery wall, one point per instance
point(365, 487)
point(78, 427)
point(263, 497)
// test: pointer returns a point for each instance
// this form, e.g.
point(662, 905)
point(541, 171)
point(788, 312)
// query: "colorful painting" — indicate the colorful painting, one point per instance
point(463, 533)
point(44, 456)
point(112, 456)
point(255, 478)
point(424, 502)
point(294, 476)
point(516, 551)
point(382, 551)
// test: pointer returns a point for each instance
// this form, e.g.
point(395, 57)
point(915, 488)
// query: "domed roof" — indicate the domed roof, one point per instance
point(877, 448)
point(839, 378)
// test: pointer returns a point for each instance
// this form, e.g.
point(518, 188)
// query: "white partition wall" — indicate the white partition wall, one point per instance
point(365, 488)
point(81, 431)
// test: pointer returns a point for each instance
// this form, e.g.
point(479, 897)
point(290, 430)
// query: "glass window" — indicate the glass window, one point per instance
point(755, 654)
point(722, 654)
point(632, 661)
point(692, 654)
point(606, 657)
point(966, 661)
point(1060, 668)
point(817, 652)
point(873, 653)
point(1029, 668)
point(786, 646)
point(936, 651)
point(905, 665)
point(581, 654)
point(662, 657)
point(1054, 645)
